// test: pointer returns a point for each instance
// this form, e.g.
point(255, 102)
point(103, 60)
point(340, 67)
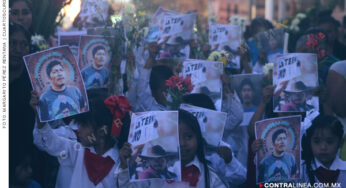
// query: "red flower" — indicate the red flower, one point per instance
point(180, 83)
point(188, 84)
point(320, 36)
point(169, 83)
point(321, 54)
point(180, 86)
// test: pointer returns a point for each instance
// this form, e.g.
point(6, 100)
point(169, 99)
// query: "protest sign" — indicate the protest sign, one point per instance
point(228, 38)
point(295, 76)
point(212, 123)
point(55, 76)
point(249, 90)
point(174, 36)
point(71, 39)
point(154, 24)
point(205, 78)
point(279, 159)
point(271, 42)
point(224, 35)
point(94, 61)
point(237, 20)
point(93, 13)
point(155, 146)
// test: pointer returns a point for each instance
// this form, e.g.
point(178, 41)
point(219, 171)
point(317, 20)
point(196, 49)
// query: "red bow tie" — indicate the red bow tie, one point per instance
point(327, 176)
point(191, 175)
point(97, 166)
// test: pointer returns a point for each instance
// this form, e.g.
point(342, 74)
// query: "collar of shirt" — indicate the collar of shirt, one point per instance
point(337, 164)
point(112, 153)
point(195, 162)
point(200, 167)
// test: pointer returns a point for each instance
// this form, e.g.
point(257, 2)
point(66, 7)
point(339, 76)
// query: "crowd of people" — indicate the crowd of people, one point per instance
point(61, 154)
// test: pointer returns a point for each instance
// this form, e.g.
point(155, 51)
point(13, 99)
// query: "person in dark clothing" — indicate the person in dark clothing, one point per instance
point(334, 46)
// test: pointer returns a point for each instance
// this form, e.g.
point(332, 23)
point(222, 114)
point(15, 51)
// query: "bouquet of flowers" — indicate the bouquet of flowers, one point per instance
point(177, 87)
point(39, 42)
point(313, 43)
point(268, 74)
point(221, 56)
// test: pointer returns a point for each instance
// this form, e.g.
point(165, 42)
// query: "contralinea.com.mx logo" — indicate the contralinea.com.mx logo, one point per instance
point(299, 185)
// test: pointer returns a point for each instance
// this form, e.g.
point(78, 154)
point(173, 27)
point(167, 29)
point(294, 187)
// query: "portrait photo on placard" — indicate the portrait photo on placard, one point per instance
point(155, 146)
point(295, 77)
point(271, 42)
point(71, 39)
point(56, 78)
point(206, 78)
point(93, 13)
point(211, 122)
point(174, 36)
point(227, 38)
point(279, 158)
point(249, 91)
point(155, 21)
point(94, 61)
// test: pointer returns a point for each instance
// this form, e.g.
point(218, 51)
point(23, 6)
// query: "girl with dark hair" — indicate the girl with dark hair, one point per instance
point(221, 158)
point(95, 157)
point(320, 146)
point(195, 170)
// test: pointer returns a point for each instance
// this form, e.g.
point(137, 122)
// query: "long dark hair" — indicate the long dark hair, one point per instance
point(321, 122)
point(200, 100)
point(193, 124)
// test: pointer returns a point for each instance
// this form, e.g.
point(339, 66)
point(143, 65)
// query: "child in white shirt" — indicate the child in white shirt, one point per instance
point(223, 161)
point(192, 160)
point(69, 131)
point(320, 145)
point(96, 157)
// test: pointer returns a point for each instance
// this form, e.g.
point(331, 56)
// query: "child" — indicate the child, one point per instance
point(152, 89)
point(96, 157)
point(21, 169)
point(195, 171)
point(225, 164)
point(320, 145)
point(150, 92)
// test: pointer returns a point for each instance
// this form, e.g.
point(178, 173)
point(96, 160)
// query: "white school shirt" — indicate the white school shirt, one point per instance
point(122, 179)
point(337, 164)
point(63, 178)
point(71, 153)
point(234, 134)
point(234, 173)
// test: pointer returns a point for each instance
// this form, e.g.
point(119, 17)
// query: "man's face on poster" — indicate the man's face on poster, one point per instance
point(158, 164)
point(100, 58)
point(298, 98)
point(280, 143)
point(247, 94)
point(57, 76)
